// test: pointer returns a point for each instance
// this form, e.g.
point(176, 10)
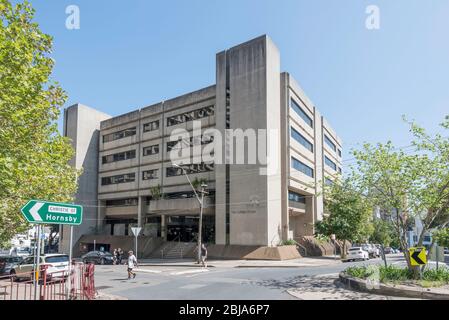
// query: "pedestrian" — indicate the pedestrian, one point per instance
point(119, 256)
point(203, 255)
point(132, 262)
point(115, 256)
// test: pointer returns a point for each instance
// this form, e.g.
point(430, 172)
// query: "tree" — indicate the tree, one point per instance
point(441, 237)
point(408, 185)
point(348, 214)
point(34, 157)
point(383, 232)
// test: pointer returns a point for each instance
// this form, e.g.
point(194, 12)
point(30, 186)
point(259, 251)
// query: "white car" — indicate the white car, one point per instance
point(57, 266)
point(20, 252)
point(356, 253)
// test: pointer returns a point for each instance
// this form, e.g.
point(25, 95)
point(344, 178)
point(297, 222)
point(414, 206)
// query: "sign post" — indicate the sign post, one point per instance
point(44, 212)
point(437, 254)
point(136, 232)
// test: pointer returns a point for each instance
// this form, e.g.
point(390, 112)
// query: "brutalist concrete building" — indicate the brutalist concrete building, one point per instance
point(129, 178)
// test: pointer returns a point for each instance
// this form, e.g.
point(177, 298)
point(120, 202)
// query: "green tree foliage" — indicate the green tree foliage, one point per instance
point(348, 214)
point(441, 237)
point(383, 232)
point(408, 185)
point(34, 157)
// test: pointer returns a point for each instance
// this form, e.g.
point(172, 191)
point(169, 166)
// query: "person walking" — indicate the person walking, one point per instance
point(115, 257)
point(132, 262)
point(119, 256)
point(203, 255)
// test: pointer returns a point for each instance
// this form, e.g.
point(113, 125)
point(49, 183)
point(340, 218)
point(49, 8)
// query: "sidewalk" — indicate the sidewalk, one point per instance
point(303, 262)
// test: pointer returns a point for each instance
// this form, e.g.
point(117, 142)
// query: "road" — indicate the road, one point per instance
point(226, 283)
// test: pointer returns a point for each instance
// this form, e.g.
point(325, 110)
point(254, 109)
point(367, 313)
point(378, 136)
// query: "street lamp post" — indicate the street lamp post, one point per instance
point(201, 203)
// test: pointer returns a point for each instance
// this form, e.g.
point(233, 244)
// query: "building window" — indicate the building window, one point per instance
point(192, 141)
point(122, 202)
point(119, 135)
point(301, 139)
point(191, 115)
point(190, 169)
point(328, 182)
point(296, 197)
point(330, 163)
point(119, 156)
point(330, 143)
point(298, 165)
point(123, 178)
point(339, 170)
point(150, 174)
point(152, 126)
point(301, 113)
point(151, 150)
point(339, 153)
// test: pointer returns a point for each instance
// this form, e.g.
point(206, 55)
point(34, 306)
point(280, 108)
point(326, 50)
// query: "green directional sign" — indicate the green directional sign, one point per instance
point(43, 212)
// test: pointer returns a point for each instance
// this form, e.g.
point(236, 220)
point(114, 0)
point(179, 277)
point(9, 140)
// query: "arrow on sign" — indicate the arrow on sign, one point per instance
point(416, 257)
point(34, 211)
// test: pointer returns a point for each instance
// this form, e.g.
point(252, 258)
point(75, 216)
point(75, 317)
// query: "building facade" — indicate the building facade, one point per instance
point(131, 178)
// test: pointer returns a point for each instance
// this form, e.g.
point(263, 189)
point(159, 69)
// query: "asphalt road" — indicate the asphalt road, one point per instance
point(187, 283)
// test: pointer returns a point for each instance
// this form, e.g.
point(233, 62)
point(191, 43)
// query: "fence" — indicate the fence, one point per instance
point(50, 285)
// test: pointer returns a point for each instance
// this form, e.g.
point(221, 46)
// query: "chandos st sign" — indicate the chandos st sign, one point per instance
point(43, 212)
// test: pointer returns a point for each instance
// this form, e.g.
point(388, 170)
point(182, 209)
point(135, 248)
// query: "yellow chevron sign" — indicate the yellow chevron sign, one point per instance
point(418, 256)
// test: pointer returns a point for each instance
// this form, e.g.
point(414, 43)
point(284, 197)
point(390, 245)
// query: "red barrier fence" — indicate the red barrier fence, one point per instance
point(50, 285)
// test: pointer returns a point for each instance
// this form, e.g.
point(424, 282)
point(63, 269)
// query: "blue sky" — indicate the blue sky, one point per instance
point(131, 54)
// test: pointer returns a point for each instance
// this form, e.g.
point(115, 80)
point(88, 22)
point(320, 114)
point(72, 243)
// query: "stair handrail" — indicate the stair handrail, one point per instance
point(301, 246)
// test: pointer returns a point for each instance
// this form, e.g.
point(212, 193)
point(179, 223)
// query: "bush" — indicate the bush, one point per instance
point(289, 243)
point(392, 273)
point(358, 272)
point(441, 275)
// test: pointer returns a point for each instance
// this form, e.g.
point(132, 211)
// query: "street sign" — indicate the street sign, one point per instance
point(136, 231)
point(437, 254)
point(418, 256)
point(43, 212)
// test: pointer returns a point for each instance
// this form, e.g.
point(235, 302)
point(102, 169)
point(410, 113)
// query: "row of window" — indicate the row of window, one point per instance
point(330, 163)
point(154, 174)
point(191, 115)
point(301, 139)
point(332, 145)
point(193, 141)
point(155, 125)
point(295, 106)
point(190, 169)
point(296, 197)
point(154, 149)
point(302, 167)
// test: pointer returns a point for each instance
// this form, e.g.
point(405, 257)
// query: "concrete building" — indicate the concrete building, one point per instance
point(129, 178)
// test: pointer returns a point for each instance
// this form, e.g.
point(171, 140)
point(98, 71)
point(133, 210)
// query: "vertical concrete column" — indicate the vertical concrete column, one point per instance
point(163, 228)
point(141, 211)
point(101, 213)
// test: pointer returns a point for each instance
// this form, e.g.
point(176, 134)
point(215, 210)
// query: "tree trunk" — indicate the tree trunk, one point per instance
point(343, 251)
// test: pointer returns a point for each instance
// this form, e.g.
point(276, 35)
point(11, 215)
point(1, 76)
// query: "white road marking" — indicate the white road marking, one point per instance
point(147, 270)
point(193, 286)
point(189, 271)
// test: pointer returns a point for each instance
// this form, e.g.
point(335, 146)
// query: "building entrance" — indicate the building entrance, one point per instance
point(185, 228)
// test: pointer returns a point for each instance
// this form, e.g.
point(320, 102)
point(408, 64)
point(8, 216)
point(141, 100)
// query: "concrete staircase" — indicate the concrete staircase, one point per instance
point(174, 250)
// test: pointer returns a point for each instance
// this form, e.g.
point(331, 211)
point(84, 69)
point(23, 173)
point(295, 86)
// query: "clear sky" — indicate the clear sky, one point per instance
point(130, 54)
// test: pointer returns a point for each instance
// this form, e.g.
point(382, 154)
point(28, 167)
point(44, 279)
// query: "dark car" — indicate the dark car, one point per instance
point(98, 257)
point(8, 263)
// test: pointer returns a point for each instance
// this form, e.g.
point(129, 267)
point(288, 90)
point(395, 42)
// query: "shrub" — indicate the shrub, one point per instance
point(393, 273)
point(289, 243)
point(441, 275)
point(358, 272)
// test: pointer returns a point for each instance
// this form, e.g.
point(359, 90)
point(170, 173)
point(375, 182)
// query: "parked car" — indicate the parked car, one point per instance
point(57, 266)
point(356, 253)
point(98, 257)
point(388, 250)
point(446, 250)
point(370, 249)
point(20, 252)
point(7, 263)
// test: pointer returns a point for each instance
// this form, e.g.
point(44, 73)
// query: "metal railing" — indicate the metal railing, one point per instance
point(45, 285)
point(301, 246)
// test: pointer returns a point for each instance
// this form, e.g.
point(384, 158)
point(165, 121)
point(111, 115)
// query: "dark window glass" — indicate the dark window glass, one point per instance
point(119, 156)
point(298, 165)
point(330, 163)
point(330, 143)
point(295, 106)
point(152, 126)
point(339, 153)
point(190, 169)
point(191, 115)
point(301, 139)
point(119, 135)
point(57, 259)
point(296, 197)
point(124, 178)
point(329, 182)
point(151, 150)
point(150, 174)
